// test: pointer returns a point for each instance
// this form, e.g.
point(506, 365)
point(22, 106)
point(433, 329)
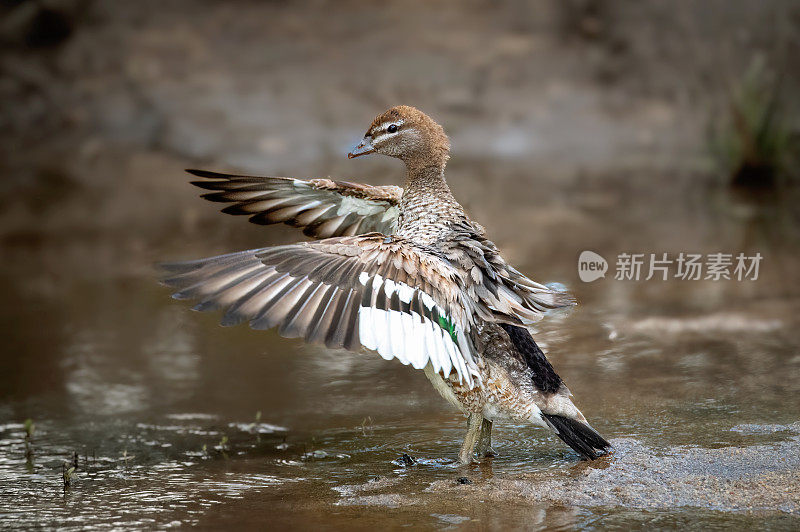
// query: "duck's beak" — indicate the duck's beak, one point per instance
point(362, 148)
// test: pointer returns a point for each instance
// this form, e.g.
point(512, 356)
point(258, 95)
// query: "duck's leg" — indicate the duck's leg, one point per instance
point(484, 447)
point(474, 424)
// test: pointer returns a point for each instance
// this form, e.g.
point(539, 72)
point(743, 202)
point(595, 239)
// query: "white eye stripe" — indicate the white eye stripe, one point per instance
point(381, 130)
point(383, 125)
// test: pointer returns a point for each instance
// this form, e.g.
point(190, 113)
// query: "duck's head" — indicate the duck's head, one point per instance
point(408, 134)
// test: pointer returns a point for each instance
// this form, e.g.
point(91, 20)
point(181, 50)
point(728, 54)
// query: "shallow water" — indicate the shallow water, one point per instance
point(177, 421)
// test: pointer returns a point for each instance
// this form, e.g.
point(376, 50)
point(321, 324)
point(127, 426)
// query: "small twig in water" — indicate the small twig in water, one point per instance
point(126, 457)
point(366, 424)
point(67, 474)
point(30, 427)
point(255, 427)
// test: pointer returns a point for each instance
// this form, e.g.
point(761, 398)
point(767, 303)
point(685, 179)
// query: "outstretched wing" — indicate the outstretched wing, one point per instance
point(322, 207)
point(347, 292)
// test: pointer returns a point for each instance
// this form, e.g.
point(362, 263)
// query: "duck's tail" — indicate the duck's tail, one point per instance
point(581, 437)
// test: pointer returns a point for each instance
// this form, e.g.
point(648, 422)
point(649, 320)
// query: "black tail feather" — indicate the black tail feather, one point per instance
point(581, 437)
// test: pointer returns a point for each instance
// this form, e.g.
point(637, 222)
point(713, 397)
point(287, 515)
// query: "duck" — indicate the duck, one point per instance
point(401, 272)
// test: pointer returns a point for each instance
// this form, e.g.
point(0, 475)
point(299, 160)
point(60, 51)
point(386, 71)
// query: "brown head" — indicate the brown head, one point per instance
point(408, 134)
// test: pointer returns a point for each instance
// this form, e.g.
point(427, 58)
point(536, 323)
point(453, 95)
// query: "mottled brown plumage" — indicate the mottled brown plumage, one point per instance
point(403, 272)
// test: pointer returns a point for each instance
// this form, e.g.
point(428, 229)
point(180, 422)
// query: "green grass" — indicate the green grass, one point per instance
point(753, 140)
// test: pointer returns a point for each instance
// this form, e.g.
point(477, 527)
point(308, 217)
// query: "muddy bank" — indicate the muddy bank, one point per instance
point(756, 479)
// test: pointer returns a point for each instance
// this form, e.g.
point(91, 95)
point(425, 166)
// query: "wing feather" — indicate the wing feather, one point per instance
point(328, 292)
point(298, 321)
point(316, 333)
point(321, 207)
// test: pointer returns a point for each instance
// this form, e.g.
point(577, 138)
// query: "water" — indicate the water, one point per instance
point(176, 421)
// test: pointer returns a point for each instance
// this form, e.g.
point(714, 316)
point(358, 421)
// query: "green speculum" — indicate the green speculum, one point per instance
point(447, 325)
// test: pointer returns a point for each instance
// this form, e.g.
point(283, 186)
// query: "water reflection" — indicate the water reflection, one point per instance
point(95, 380)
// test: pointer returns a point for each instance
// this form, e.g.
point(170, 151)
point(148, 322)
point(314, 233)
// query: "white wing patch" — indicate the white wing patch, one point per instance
point(411, 338)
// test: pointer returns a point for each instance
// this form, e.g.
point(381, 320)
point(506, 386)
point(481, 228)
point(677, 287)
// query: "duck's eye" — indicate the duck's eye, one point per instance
point(392, 128)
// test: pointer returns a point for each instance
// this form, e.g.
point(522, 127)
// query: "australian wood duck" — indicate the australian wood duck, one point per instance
point(403, 272)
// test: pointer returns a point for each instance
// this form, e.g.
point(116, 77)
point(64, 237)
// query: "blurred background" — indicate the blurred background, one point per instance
point(604, 125)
